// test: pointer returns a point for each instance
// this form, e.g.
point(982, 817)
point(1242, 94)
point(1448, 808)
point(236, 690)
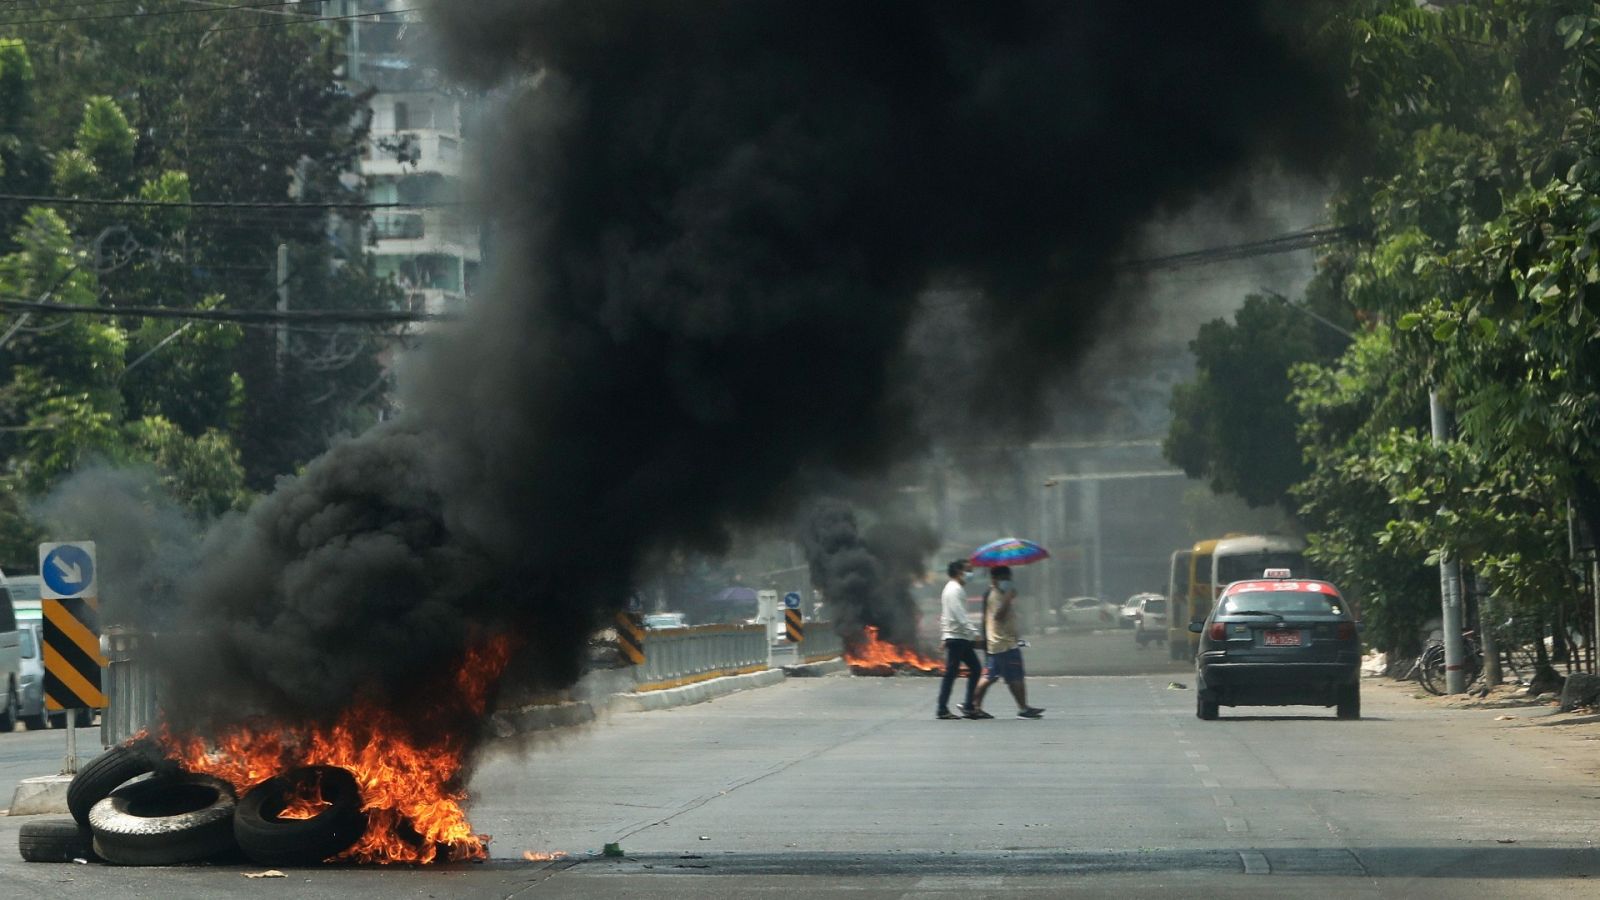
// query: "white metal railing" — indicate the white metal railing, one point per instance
point(819, 642)
point(674, 657)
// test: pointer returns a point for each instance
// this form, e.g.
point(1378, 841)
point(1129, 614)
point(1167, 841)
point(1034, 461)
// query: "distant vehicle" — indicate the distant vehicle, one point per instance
point(1279, 641)
point(1150, 622)
point(1180, 574)
point(31, 709)
point(1087, 612)
point(666, 620)
point(1130, 609)
point(1239, 557)
point(10, 661)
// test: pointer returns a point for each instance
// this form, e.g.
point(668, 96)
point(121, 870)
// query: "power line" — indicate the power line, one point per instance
point(240, 316)
point(149, 14)
point(1284, 243)
point(308, 20)
point(41, 200)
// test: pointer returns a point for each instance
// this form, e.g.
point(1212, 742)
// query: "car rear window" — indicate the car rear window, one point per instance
point(1284, 602)
point(1155, 606)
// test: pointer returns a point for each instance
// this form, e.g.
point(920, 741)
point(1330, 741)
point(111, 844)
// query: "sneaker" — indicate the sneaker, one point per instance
point(977, 714)
point(945, 714)
point(1032, 712)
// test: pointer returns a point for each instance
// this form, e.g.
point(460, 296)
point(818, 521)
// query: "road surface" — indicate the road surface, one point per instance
point(848, 787)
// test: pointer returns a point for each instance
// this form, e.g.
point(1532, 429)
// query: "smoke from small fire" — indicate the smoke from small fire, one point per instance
point(866, 578)
point(713, 223)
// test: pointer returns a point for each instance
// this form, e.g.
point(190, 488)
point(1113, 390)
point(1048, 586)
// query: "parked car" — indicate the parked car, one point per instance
point(1130, 609)
point(1279, 641)
point(666, 620)
point(1084, 613)
point(31, 696)
point(1150, 620)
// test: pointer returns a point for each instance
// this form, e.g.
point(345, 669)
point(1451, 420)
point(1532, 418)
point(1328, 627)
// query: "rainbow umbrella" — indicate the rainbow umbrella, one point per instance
point(1008, 552)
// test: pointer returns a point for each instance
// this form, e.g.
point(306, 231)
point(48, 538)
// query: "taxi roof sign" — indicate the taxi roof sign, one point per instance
point(1277, 573)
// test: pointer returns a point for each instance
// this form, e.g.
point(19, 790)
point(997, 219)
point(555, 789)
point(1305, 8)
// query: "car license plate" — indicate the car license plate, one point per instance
point(1282, 638)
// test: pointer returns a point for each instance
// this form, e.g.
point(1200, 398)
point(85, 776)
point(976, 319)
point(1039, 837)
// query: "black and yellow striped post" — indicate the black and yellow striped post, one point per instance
point(630, 637)
point(72, 657)
point(796, 627)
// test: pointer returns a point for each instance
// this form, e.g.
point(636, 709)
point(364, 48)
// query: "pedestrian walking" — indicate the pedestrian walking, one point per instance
point(1004, 646)
point(960, 642)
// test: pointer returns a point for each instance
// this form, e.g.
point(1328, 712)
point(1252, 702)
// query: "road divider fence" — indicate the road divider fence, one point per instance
point(674, 657)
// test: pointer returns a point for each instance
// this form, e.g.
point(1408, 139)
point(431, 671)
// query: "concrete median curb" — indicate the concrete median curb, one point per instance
point(695, 693)
point(40, 796)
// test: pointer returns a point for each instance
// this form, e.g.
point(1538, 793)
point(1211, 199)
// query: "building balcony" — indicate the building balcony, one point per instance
point(412, 152)
point(435, 302)
point(423, 233)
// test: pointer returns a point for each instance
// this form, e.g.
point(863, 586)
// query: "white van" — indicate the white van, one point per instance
point(10, 661)
point(25, 600)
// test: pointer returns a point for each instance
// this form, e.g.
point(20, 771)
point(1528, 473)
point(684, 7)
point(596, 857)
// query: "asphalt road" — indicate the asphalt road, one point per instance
point(842, 786)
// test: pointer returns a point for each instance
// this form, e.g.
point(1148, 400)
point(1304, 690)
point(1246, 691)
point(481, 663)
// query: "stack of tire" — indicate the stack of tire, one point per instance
point(130, 807)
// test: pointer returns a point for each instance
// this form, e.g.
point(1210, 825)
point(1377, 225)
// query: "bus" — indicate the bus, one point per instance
point(1236, 558)
point(1195, 604)
point(1180, 571)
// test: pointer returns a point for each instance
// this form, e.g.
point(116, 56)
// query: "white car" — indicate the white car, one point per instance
point(1151, 622)
point(1130, 608)
point(1084, 613)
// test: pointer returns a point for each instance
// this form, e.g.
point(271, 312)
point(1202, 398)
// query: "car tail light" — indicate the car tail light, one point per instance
point(1347, 631)
point(1219, 631)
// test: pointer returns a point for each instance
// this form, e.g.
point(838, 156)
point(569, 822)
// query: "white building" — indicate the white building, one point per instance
point(414, 156)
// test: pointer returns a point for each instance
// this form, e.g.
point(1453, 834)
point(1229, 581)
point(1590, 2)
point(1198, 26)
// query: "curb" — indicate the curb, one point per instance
point(37, 796)
point(695, 693)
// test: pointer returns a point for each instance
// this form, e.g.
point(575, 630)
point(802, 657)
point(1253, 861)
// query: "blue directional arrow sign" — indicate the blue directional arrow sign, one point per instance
point(67, 570)
point(791, 600)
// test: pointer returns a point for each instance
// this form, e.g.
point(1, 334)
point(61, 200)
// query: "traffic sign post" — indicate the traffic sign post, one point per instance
point(793, 620)
point(69, 592)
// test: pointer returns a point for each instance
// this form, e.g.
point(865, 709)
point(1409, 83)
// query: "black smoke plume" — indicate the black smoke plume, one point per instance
point(866, 577)
point(712, 222)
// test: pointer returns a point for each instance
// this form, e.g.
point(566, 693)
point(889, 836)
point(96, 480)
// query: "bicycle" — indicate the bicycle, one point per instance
point(1430, 666)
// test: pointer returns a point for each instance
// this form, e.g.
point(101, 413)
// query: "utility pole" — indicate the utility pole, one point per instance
point(1449, 575)
point(283, 305)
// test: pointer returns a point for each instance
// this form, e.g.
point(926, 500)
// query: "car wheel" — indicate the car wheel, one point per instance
point(12, 711)
point(55, 841)
point(271, 841)
point(1349, 702)
point(36, 722)
point(104, 774)
point(164, 821)
point(1205, 706)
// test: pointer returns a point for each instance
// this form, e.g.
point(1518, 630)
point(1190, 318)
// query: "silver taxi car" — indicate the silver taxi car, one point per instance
point(1279, 641)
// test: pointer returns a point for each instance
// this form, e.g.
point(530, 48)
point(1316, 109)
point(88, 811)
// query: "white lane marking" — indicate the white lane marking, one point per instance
point(1210, 783)
point(1201, 767)
point(1255, 862)
point(1192, 754)
point(1235, 825)
point(957, 882)
point(1222, 799)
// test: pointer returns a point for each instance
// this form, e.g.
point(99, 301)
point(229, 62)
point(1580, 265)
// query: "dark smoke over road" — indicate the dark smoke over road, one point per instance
point(712, 223)
point(866, 577)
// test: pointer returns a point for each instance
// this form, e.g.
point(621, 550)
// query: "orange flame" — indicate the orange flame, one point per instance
point(535, 856)
point(414, 813)
point(878, 656)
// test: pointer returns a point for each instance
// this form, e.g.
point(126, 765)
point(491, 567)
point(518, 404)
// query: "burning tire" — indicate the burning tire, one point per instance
point(272, 840)
point(164, 821)
point(55, 840)
point(104, 774)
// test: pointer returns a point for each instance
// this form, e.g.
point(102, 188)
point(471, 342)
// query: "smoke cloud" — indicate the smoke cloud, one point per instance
point(714, 223)
point(866, 578)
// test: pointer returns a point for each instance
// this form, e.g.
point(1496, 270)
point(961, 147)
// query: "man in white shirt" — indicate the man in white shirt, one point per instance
point(960, 643)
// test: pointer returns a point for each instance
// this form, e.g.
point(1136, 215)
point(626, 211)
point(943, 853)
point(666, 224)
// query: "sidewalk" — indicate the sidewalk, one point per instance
point(1569, 741)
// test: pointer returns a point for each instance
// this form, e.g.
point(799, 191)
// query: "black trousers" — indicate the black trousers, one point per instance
point(956, 652)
